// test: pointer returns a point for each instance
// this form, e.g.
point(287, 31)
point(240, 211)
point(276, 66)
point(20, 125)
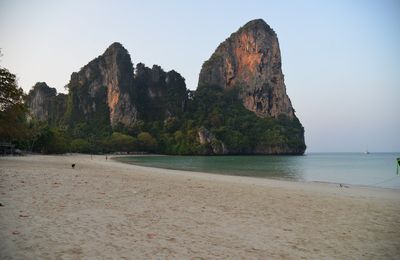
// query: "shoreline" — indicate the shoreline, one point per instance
point(345, 185)
point(109, 209)
point(259, 181)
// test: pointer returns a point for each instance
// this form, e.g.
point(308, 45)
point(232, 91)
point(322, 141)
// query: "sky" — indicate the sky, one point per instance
point(341, 59)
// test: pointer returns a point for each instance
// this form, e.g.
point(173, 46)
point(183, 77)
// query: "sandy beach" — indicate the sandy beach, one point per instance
point(104, 209)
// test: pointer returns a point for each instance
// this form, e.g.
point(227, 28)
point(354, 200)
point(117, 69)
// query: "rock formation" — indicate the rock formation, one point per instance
point(45, 104)
point(108, 80)
point(108, 95)
point(106, 91)
point(211, 143)
point(250, 59)
point(160, 94)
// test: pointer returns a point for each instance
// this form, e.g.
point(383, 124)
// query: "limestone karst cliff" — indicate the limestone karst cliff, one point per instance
point(103, 89)
point(239, 107)
point(250, 59)
point(160, 94)
point(45, 104)
point(249, 62)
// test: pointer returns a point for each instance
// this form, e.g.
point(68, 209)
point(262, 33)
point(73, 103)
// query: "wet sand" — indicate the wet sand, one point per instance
point(105, 209)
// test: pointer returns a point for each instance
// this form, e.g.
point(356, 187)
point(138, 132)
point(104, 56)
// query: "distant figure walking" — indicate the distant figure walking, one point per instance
point(106, 158)
point(73, 166)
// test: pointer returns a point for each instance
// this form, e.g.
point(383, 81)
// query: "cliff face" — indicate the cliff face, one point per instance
point(109, 95)
point(104, 88)
point(250, 59)
point(39, 100)
point(45, 104)
point(107, 92)
point(160, 94)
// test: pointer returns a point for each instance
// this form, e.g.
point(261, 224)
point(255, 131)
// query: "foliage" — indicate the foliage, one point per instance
point(55, 142)
point(38, 135)
point(10, 94)
point(218, 110)
point(119, 142)
point(13, 119)
point(221, 112)
point(147, 142)
point(80, 145)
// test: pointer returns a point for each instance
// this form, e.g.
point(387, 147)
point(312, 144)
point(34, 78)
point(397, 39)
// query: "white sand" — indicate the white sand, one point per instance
point(109, 210)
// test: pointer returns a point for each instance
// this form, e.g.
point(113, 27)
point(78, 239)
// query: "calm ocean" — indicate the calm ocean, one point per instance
point(375, 169)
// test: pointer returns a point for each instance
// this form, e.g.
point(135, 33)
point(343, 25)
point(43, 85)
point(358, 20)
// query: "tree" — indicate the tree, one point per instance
point(80, 145)
point(36, 130)
point(10, 94)
point(119, 142)
point(147, 142)
point(57, 142)
point(12, 109)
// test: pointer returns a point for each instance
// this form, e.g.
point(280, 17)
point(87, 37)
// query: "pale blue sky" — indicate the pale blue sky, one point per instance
point(341, 59)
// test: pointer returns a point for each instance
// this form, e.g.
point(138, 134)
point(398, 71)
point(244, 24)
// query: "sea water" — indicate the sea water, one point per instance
point(374, 169)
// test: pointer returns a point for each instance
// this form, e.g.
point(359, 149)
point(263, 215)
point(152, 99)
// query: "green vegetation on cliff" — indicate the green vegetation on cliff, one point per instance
point(222, 113)
point(219, 111)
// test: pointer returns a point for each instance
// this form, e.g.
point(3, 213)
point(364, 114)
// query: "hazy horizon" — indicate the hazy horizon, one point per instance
point(340, 58)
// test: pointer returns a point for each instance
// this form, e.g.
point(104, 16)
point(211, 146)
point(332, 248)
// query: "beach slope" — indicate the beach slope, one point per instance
point(106, 209)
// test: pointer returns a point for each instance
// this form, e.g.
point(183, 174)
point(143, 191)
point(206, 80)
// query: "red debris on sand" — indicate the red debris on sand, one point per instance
point(23, 216)
point(15, 232)
point(151, 235)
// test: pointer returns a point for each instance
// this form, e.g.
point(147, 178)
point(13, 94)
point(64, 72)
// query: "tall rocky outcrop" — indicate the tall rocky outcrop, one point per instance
point(45, 104)
point(103, 90)
point(108, 91)
point(108, 95)
point(160, 94)
point(250, 59)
